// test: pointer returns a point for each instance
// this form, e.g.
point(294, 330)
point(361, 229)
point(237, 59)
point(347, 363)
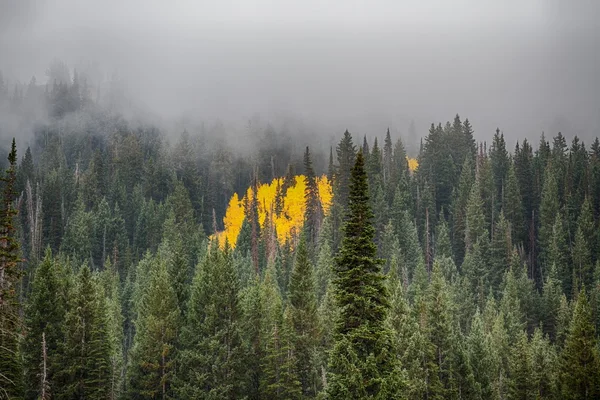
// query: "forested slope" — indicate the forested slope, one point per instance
point(473, 273)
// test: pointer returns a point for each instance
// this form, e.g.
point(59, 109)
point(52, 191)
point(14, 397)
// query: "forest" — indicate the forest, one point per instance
point(138, 265)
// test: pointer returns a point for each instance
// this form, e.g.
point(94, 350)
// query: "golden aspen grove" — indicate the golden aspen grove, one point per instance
point(289, 221)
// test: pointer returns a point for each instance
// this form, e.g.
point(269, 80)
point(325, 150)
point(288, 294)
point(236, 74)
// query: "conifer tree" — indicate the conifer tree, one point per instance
point(559, 256)
point(346, 153)
point(480, 358)
point(582, 261)
point(114, 321)
point(302, 310)
point(439, 334)
point(551, 295)
point(500, 165)
point(211, 366)
point(579, 365)
point(152, 367)
point(459, 210)
point(86, 363)
point(549, 207)
point(11, 368)
point(475, 227)
point(388, 158)
point(500, 252)
point(44, 315)
point(361, 364)
point(313, 214)
point(543, 365)
point(520, 369)
point(512, 205)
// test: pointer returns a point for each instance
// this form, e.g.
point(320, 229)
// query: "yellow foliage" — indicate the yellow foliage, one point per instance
point(288, 223)
point(413, 164)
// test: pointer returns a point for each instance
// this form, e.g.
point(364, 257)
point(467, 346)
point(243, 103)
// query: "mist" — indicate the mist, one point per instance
point(525, 67)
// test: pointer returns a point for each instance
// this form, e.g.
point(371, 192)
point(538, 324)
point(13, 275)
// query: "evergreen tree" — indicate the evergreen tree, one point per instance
point(44, 315)
point(11, 368)
point(211, 365)
point(439, 333)
point(500, 252)
point(543, 366)
point(512, 206)
point(480, 358)
point(500, 165)
point(475, 227)
point(549, 207)
point(86, 363)
point(388, 158)
point(313, 214)
point(520, 370)
point(459, 210)
point(360, 363)
point(559, 254)
point(303, 315)
point(582, 261)
point(579, 368)
point(346, 153)
point(152, 367)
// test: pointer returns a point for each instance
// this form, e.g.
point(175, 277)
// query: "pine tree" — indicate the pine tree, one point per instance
point(10, 318)
point(500, 165)
point(520, 385)
point(304, 318)
point(549, 207)
point(439, 333)
point(346, 153)
point(543, 365)
point(443, 245)
point(582, 261)
point(480, 357)
point(86, 363)
point(114, 322)
point(388, 157)
point(551, 295)
point(460, 201)
point(281, 380)
point(512, 206)
point(313, 214)
point(559, 255)
point(360, 362)
point(475, 227)
point(579, 364)
point(44, 315)
point(500, 252)
point(152, 361)
point(211, 365)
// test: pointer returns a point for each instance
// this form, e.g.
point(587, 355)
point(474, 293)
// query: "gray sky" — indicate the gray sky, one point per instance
point(524, 65)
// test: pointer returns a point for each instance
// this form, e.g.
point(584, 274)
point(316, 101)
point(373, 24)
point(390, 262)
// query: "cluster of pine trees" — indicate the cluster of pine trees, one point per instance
point(475, 276)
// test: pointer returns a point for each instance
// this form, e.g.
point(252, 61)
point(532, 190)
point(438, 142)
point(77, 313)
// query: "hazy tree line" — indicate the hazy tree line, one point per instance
point(475, 276)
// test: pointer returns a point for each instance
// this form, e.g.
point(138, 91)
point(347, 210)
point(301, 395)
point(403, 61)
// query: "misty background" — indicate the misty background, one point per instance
point(318, 68)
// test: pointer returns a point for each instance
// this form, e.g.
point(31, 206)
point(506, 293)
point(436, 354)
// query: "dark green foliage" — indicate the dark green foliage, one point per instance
point(313, 214)
point(85, 370)
point(346, 152)
point(211, 366)
point(361, 360)
point(303, 316)
point(579, 365)
point(152, 358)
point(512, 235)
point(10, 273)
point(45, 313)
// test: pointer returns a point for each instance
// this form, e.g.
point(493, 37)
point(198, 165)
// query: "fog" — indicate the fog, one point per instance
point(524, 66)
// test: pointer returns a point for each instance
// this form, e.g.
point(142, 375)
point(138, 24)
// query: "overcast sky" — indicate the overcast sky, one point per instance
point(525, 66)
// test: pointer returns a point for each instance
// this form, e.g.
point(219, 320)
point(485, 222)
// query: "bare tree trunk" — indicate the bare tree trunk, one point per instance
point(44, 373)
